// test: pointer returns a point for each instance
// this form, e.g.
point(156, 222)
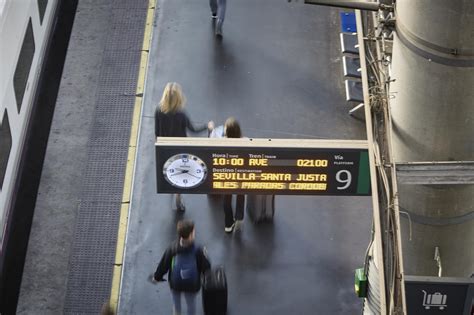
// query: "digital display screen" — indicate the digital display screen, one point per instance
point(261, 170)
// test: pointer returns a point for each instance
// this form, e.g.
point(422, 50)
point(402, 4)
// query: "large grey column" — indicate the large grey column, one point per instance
point(433, 120)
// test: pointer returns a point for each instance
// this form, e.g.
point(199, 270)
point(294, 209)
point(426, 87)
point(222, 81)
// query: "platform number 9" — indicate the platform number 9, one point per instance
point(344, 177)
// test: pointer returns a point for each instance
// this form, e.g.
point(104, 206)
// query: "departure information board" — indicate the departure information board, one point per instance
point(262, 166)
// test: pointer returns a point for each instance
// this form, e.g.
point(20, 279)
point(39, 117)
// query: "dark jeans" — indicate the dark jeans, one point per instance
point(218, 6)
point(190, 298)
point(239, 209)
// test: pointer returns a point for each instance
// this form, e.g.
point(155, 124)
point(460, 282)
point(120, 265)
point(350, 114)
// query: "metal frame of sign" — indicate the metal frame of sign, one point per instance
point(262, 166)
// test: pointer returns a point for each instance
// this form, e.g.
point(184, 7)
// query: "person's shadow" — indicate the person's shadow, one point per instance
point(227, 80)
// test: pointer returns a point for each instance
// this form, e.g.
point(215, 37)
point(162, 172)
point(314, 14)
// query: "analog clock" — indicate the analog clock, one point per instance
point(185, 170)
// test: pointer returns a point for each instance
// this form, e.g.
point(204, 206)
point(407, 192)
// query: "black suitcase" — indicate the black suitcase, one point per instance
point(260, 208)
point(214, 292)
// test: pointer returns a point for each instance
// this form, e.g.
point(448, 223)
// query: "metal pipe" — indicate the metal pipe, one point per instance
point(349, 4)
point(437, 258)
point(378, 249)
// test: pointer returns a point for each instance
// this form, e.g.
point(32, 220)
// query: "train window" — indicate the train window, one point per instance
point(22, 71)
point(42, 4)
point(5, 146)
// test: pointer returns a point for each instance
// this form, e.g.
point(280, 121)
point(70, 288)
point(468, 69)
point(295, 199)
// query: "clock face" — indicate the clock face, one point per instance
point(185, 170)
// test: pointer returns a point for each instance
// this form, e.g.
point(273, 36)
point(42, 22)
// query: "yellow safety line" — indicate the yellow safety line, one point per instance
point(128, 182)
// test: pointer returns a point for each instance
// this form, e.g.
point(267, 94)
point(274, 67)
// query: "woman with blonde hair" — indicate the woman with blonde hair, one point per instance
point(172, 121)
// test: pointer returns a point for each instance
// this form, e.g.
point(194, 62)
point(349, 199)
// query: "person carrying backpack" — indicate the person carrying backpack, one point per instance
point(184, 262)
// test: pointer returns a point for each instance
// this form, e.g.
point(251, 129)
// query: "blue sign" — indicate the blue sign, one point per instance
point(348, 22)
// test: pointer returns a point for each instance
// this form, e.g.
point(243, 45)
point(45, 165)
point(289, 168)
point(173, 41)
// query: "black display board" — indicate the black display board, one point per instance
point(185, 168)
point(439, 295)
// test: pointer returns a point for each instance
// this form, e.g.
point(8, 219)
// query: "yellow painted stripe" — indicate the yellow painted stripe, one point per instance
point(149, 25)
point(136, 117)
point(142, 73)
point(117, 272)
point(127, 185)
point(128, 182)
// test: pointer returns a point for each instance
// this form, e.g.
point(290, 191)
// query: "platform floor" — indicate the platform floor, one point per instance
point(278, 71)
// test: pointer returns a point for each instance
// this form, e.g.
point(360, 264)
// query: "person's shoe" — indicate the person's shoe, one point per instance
point(238, 224)
point(229, 229)
point(219, 29)
point(181, 207)
point(213, 15)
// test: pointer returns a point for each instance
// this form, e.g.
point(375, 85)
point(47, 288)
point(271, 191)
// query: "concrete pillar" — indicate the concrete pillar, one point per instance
point(433, 120)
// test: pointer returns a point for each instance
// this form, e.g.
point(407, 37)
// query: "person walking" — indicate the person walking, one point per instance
point(172, 121)
point(232, 130)
point(184, 262)
point(218, 12)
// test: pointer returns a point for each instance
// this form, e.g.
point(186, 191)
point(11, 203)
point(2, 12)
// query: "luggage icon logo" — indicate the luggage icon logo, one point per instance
point(434, 300)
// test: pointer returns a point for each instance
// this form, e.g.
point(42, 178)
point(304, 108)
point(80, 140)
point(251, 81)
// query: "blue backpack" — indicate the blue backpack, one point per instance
point(184, 269)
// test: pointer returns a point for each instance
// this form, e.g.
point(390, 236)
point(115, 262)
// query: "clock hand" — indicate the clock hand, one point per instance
point(194, 176)
point(179, 173)
point(182, 170)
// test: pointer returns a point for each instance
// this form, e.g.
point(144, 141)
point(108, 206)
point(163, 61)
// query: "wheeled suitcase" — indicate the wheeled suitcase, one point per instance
point(214, 292)
point(261, 208)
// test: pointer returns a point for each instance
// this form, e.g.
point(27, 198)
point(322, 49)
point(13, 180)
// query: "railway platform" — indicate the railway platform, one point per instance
point(100, 228)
